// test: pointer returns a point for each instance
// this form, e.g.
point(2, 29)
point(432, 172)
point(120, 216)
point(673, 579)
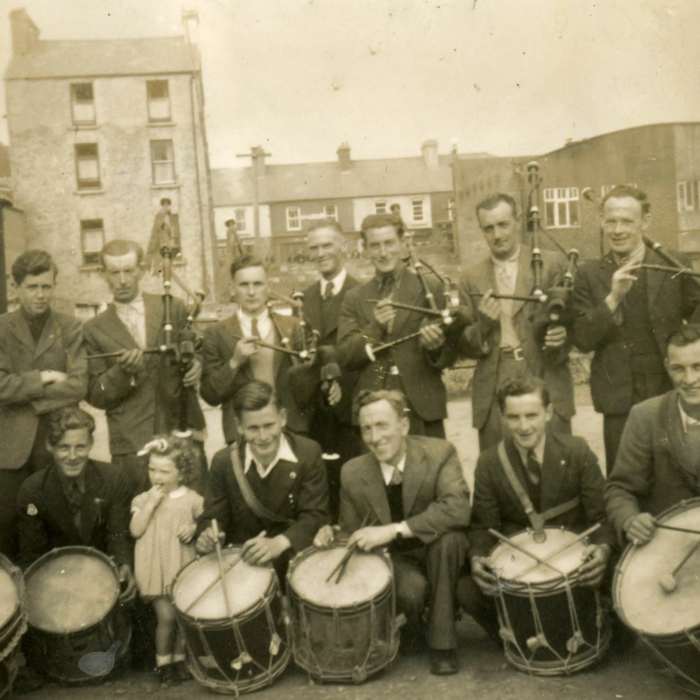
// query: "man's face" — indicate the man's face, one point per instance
point(383, 431)
point(683, 365)
point(383, 247)
point(35, 293)
point(501, 229)
point(250, 289)
point(262, 430)
point(123, 275)
point(624, 224)
point(325, 246)
point(71, 452)
point(527, 418)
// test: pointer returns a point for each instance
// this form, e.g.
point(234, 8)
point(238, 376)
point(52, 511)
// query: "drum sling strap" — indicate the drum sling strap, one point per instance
point(265, 514)
point(537, 520)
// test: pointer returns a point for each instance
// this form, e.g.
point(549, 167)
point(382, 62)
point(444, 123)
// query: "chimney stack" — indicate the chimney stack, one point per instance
point(430, 153)
point(344, 157)
point(25, 34)
point(259, 161)
point(190, 20)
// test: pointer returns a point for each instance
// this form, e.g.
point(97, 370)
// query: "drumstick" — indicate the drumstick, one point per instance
point(346, 557)
point(220, 561)
point(559, 550)
point(668, 582)
point(677, 529)
point(539, 560)
point(211, 585)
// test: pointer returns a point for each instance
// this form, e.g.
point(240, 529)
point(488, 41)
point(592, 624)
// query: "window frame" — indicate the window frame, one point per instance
point(84, 228)
point(554, 198)
point(85, 183)
point(383, 204)
point(74, 100)
point(243, 218)
point(289, 218)
point(421, 205)
point(171, 161)
point(333, 215)
point(687, 195)
point(157, 100)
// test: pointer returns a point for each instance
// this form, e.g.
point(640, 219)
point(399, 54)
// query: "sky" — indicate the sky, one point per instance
point(509, 77)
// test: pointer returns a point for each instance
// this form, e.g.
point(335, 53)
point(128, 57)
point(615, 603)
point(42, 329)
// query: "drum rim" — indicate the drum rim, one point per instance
point(15, 574)
point(54, 554)
point(244, 614)
point(682, 506)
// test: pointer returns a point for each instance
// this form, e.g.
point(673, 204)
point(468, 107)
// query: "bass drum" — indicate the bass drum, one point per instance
point(13, 621)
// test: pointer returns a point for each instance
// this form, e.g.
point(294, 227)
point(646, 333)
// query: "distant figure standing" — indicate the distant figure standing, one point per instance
point(165, 232)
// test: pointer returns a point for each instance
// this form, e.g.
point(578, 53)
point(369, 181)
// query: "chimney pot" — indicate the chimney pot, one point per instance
point(430, 153)
point(344, 157)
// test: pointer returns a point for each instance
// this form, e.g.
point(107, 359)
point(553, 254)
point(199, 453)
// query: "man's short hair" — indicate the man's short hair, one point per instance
point(395, 398)
point(165, 200)
point(379, 221)
point(395, 206)
point(119, 247)
point(65, 419)
point(230, 221)
point(32, 262)
point(246, 261)
point(685, 335)
point(254, 396)
point(620, 191)
point(521, 386)
point(493, 200)
point(325, 223)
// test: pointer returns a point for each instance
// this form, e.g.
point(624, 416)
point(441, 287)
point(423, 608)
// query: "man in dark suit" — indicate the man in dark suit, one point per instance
point(232, 358)
point(330, 422)
point(412, 490)
point(657, 465)
point(139, 393)
point(413, 367)
point(42, 368)
point(556, 474)
point(624, 314)
point(512, 338)
point(76, 501)
point(267, 492)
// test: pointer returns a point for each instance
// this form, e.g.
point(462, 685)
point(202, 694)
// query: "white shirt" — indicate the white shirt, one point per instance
point(284, 451)
point(133, 316)
point(539, 452)
point(336, 283)
point(246, 321)
point(686, 419)
point(388, 469)
point(506, 279)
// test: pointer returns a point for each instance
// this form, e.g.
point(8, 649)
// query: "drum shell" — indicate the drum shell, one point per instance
point(57, 655)
point(321, 634)
point(13, 630)
point(213, 644)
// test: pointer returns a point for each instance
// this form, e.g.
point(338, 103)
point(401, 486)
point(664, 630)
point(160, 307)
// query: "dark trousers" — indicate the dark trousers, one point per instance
point(613, 425)
point(480, 606)
point(427, 576)
point(426, 428)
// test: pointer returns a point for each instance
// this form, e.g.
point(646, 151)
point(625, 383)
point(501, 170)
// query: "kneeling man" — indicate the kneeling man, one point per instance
point(553, 474)
point(412, 492)
point(268, 491)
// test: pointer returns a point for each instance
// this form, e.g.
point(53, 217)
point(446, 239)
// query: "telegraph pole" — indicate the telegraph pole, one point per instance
point(255, 153)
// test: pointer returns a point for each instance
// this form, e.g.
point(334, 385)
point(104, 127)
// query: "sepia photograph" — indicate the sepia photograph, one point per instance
point(350, 348)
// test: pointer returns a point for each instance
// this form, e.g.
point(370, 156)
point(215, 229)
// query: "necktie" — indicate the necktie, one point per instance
point(534, 471)
point(254, 479)
point(254, 328)
point(387, 285)
point(328, 292)
point(396, 477)
point(74, 496)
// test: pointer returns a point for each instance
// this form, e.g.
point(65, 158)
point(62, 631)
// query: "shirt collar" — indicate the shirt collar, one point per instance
point(284, 451)
point(247, 318)
point(539, 451)
point(398, 273)
point(686, 420)
point(503, 263)
point(135, 303)
point(336, 283)
point(65, 481)
point(388, 469)
point(636, 256)
point(179, 492)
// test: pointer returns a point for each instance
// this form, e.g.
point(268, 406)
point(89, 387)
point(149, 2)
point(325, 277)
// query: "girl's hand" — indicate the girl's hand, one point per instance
point(186, 532)
point(155, 495)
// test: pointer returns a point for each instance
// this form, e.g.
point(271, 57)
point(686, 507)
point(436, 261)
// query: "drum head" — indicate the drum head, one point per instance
point(638, 595)
point(246, 585)
point(9, 598)
point(365, 577)
point(508, 562)
point(70, 591)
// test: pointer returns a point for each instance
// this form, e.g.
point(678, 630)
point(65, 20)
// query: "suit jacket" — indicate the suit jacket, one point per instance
point(653, 470)
point(434, 493)
point(420, 371)
point(136, 410)
point(530, 324)
point(22, 397)
point(671, 301)
point(327, 341)
point(298, 492)
point(569, 469)
point(45, 520)
point(220, 383)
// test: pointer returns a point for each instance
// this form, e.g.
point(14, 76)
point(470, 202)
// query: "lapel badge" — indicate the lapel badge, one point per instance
point(32, 509)
point(292, 475)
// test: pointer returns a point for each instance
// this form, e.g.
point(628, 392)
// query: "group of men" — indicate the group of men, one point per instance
point(371, 396)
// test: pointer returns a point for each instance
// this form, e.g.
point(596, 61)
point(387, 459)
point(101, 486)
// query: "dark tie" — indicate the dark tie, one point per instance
point(534, 471)
point(254, 328)
point(254, 479)
point(74, 496)
point(328, 292)
point(387, 285)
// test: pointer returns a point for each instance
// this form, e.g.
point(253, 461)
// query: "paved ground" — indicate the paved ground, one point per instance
point(484, 672)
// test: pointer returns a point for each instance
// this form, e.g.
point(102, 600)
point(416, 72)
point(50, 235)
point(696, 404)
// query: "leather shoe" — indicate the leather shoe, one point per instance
point(443, 662)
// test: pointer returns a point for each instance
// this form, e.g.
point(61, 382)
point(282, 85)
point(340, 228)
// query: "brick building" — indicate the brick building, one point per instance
point(100, 131)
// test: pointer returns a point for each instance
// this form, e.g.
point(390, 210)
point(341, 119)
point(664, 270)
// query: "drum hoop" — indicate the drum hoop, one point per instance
point(18, 622)
point(15, 574)
point(539, 589)
point(73, 549)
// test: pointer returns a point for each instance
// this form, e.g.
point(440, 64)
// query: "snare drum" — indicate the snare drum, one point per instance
point(668, 623)
point(13, 621)
point(74, 610)
point(342, 631)
point(235, 654)
point(550, 625)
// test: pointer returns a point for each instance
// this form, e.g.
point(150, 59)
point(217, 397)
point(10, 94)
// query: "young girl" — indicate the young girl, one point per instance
point(163, 523)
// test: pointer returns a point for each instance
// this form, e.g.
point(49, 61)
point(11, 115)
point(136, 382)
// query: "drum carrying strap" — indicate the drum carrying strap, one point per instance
point(249, 497)
point(537, 520)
